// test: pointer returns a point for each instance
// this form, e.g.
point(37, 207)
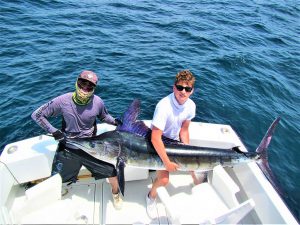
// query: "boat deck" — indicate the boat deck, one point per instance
point(89, 201)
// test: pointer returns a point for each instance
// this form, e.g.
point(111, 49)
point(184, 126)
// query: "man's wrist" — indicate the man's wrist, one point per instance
point(58, 135)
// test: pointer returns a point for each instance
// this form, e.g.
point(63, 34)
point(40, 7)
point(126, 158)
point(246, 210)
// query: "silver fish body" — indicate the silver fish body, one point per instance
point(137, 151)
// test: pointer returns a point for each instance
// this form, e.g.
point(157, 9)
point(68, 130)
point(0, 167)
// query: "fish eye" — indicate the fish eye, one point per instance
point(92, 144)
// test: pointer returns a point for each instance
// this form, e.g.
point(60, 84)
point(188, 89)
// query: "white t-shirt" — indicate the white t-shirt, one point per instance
point(169, 115)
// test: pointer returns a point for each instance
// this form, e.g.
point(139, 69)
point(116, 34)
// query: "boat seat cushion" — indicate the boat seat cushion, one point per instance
point(206, 203)
point(223, 184)
point(58, 212)
point(132, 174)
point(43, 205)
point(50, 187)
point(39, 196)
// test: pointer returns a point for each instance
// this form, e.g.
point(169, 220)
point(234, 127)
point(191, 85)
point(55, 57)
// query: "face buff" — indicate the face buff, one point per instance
point(81, 97)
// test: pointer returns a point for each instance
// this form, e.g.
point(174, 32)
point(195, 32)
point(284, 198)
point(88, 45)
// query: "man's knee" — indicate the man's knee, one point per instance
point(163, 181)
point(162, 178)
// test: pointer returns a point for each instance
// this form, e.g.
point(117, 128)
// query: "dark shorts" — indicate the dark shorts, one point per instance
point(67, 162)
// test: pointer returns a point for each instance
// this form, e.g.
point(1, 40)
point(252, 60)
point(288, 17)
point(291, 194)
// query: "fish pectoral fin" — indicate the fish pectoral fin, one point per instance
point(120, 174)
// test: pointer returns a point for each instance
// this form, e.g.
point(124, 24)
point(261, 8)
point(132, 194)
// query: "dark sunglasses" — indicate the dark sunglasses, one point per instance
point(85, 85)
point(180, 88)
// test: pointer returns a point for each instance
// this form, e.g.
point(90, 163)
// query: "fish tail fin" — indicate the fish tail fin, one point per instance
point(263, 162)
point(264, 144)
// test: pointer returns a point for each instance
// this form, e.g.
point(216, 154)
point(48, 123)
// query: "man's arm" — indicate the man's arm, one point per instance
point(184, 132)
point(160, 149)
point(42, 113)
point(105, 116)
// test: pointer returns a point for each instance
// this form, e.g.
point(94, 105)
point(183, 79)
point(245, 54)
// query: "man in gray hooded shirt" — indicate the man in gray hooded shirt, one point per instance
point(79, 111)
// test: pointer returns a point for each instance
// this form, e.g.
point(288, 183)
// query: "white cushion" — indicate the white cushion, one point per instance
point(59, 212)
point(206, 203)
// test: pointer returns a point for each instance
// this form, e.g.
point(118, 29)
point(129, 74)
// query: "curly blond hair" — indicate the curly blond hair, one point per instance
point(185, 76)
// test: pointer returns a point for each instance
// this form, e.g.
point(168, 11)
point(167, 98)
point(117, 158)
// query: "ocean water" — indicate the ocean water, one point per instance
point(245, 56)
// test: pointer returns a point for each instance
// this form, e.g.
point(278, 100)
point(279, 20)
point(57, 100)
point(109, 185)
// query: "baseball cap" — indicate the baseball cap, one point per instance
point(89, 75)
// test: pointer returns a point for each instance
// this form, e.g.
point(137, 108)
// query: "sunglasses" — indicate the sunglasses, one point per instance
point(180, 88)
point(85, 85)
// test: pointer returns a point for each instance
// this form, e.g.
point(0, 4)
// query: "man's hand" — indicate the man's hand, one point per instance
point(118, 122)
point(171, 166)
point(59, 136)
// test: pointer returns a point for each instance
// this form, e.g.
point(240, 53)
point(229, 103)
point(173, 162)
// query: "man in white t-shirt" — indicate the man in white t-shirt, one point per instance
point(172, 117)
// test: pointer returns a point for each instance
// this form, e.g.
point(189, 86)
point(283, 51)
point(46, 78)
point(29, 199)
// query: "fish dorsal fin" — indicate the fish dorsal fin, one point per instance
point(131, 114)
point(130, 123)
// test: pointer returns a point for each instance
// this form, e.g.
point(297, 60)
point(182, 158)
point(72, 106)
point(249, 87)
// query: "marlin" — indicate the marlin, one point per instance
point(130, 144)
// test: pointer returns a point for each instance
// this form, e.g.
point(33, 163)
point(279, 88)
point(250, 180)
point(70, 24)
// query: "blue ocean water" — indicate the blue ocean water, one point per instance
point(245, 56)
